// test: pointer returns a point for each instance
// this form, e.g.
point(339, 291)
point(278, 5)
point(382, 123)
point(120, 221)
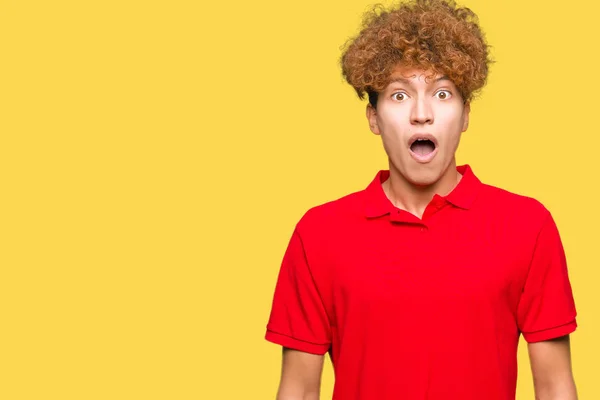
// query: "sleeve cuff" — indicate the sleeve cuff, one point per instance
point(292, 343)
point(552, 333)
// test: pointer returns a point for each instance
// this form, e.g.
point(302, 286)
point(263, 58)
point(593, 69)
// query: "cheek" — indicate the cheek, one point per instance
point(453, 120)
point(393, 122)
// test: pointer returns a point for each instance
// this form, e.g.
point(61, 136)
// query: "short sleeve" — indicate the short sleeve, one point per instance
point(546, 308)
point(298, 318)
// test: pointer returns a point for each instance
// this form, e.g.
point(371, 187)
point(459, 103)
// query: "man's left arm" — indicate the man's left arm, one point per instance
point(551, 368)
point(546, 316)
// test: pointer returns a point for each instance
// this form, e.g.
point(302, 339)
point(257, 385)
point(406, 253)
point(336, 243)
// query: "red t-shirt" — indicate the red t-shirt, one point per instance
point(427, 308)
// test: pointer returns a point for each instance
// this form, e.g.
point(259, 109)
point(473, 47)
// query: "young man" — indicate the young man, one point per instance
point(420, 285)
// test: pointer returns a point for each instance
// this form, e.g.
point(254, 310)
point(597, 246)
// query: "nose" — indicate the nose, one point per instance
point(421, 112)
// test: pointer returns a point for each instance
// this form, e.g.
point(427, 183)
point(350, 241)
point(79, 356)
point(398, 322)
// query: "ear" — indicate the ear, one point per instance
point(372, 118)
point(466, 112)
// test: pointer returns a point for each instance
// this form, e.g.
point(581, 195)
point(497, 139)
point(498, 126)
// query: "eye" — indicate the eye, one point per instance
point(443, 94)
point(399, 96)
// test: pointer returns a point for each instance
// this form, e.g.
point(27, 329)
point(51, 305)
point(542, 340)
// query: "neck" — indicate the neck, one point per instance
point(414, 199)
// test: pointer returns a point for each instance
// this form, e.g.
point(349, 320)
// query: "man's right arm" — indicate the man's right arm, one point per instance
point(300, 375)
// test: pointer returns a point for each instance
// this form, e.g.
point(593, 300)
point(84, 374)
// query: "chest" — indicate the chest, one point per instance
point(440, 267)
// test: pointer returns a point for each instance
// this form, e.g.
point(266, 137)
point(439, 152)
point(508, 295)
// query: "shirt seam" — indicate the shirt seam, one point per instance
point(299, 340)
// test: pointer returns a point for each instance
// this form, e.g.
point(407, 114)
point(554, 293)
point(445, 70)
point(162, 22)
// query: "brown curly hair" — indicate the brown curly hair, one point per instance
point(432, 35)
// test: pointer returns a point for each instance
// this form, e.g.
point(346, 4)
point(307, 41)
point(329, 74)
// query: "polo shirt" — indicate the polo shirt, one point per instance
point(423, 308)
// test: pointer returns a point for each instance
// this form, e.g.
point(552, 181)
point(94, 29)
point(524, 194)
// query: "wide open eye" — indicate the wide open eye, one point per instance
point(399, 96)
point(443, 94)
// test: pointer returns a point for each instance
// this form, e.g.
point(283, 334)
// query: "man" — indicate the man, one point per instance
point(420, 285)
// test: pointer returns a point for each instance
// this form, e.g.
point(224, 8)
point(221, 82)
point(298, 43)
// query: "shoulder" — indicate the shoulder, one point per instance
point(510, 206)
point(332, 214)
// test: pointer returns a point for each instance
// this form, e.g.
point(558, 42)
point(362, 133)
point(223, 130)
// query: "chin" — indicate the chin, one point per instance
point(421, 181)
point(422, 176)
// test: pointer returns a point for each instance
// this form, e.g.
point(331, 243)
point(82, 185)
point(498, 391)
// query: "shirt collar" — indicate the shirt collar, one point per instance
point(463, 195)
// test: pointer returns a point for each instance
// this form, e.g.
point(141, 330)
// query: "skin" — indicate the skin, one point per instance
point(300, 376)
point(551, 368)
point(413, 104)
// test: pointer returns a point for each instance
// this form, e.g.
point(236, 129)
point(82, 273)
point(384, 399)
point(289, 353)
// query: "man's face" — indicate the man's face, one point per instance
point(420, 122)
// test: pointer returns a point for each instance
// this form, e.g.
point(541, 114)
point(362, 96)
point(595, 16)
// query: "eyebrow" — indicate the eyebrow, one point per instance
point(408, 82)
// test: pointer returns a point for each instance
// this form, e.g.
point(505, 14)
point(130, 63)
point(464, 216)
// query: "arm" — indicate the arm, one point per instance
point(551, 367)
point(300, 375)
point(546, 315)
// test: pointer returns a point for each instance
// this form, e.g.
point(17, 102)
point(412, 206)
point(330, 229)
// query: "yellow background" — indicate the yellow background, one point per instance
point(155, 157)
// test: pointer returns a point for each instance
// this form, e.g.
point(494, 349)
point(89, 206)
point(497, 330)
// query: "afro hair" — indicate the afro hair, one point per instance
point(432, 35)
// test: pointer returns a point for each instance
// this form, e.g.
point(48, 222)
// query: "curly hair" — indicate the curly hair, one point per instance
point(433, 35)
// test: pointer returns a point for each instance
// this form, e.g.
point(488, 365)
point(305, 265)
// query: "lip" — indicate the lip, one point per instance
point(426, 158)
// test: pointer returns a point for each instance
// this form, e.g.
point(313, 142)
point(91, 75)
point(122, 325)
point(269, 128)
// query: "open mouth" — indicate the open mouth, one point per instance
point(422, 147)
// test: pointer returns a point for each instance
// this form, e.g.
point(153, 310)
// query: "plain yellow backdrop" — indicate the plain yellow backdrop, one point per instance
point(156, 155)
